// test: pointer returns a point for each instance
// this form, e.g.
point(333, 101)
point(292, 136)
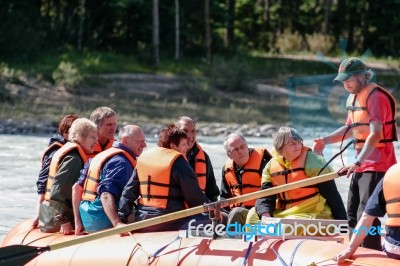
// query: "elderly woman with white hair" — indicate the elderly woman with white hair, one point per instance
point(291, 162)
point(56, 212)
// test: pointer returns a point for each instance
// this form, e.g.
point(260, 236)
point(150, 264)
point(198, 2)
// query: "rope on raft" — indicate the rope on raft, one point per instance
point(30, 230)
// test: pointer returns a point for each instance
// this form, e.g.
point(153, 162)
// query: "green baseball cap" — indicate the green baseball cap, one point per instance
point(350, 66)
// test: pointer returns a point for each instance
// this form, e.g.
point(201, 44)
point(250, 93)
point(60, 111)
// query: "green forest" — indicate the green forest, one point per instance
point(219, 58)
point(182, 28)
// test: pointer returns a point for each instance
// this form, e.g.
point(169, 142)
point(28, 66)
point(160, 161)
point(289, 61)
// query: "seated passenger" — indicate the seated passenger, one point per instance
point(56, 212)
point(199, 159)
point(105, 119)
point(384, 200)
point(163, 182)
point(54, 144)
point(241, 174)
point(96, 195)
point(293, 162)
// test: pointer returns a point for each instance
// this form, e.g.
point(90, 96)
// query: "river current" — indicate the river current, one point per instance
point(20, 164)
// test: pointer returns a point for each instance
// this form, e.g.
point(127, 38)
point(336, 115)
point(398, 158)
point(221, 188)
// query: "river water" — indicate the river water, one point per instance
point(20, 164)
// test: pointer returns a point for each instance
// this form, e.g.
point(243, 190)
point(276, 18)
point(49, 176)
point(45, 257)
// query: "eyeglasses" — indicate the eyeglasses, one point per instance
point(237, 149)
point(141, 141)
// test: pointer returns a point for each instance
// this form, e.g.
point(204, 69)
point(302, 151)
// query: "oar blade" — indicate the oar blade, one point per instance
point(19, 254)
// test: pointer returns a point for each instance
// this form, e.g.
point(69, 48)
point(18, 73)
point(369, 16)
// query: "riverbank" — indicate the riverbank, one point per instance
point(33, 127)
point(299, 96)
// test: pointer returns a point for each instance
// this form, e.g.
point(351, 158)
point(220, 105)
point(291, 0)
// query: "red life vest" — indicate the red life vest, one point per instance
point(357, 108)
point(251, 178)
point(281, 175)
point(391, 187)
point(154, 172)
point(200, 168)
point(93, 175)
point(56, 160)
point(98, 148)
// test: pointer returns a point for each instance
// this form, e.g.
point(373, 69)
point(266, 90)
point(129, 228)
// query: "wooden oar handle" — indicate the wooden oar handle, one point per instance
point(193, 211)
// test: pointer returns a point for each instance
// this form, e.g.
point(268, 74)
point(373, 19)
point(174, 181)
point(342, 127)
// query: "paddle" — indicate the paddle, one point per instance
point(20, 254)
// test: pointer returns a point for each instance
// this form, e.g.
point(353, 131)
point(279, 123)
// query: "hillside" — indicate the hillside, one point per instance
point(152, 100)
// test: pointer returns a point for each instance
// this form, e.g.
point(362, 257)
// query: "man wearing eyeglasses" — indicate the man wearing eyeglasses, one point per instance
point(99, 188)
point(199, 159)
point(241, 174)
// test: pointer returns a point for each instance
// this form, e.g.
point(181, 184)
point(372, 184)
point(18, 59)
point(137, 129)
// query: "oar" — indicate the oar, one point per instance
point(20, 254)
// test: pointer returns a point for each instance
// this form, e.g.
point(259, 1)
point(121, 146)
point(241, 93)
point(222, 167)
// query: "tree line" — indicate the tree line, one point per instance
point(181, 28)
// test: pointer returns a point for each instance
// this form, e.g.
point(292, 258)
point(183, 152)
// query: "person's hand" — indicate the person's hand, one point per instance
point(66, 229)
point(348, 170)
point(319, 146)
point(35, 222)
point(79, 230)
point(344, 255)
point(120, 224)
point(264, 218)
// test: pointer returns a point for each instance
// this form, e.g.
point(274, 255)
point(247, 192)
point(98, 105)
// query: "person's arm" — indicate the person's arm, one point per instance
point(358, 236)
point(115, 173)
point(336, 136)
point(183, 173)
point(41, 183)
point(373, 138)
point(128, 197)
point(375, 135)
point(375, 207)
point(266, 206)
point(40, 199)
point(77, 191)
point(110, 208)
point(225, 191)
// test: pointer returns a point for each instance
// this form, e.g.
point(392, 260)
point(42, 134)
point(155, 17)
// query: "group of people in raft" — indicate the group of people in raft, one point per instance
point(89, 181)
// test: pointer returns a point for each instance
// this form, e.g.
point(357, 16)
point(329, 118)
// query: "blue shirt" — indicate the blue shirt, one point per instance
point(376, 206)
point(114, 175)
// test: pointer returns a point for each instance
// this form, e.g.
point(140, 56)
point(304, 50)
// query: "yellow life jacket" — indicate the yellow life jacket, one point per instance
point(281, 175)
point(391, 186)
point(200, 168)
point(55, 145)
point(251, 177)
point(56, 160)
point(99, 148)
point(154, 172)
point(357, 109)
point(93, 174)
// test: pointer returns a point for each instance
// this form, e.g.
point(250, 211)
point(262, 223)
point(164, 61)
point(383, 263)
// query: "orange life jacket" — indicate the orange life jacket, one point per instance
point(98, 148)
point(154, 172)
point(357, 108)
point(200, 168)
point(93, 174)
point(391, 186)
point(281, 175)
point(251, 177)
point(55, 145)
point(56, 160)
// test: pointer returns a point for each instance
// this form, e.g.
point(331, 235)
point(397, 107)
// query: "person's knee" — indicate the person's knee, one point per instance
point(237, 215)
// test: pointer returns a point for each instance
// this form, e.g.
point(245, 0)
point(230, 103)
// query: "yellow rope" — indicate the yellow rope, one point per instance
point(361, 263)
point(140, 246)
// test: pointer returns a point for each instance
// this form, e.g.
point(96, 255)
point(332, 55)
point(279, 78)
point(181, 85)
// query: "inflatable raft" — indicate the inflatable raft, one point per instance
point(173, 248)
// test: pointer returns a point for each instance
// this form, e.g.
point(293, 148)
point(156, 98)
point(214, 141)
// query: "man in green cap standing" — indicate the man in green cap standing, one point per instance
point(371, 123)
